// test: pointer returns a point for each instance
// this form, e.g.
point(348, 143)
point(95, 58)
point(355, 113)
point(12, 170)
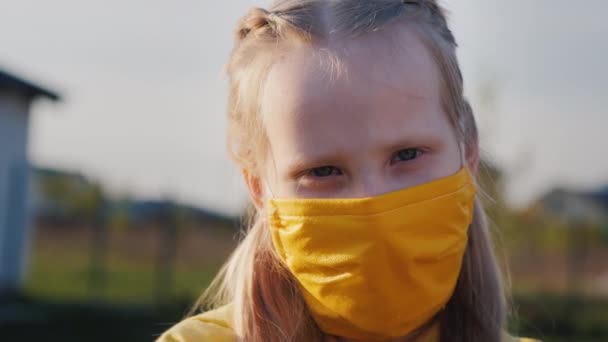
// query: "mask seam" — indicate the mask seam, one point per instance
point(384, 211)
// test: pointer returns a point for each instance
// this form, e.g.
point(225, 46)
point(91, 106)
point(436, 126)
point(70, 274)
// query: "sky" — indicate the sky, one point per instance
point(144, 93)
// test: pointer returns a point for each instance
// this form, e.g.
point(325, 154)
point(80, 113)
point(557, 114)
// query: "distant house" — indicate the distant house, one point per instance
point(570, 205)
point(16, 97)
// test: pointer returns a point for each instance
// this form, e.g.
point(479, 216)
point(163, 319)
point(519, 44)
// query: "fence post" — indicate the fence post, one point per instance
point(99, 251)
point(167, 253)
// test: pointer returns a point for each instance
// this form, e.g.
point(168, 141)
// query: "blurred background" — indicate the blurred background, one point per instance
point(118, 203)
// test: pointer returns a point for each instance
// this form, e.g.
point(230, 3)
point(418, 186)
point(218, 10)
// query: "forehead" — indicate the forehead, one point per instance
point(398, 63)
point(377, 82)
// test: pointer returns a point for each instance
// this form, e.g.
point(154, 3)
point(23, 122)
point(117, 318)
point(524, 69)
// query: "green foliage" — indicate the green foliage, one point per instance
point(73, 195)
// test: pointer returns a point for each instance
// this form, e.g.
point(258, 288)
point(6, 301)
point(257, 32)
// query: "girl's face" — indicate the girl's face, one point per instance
point(376, 127)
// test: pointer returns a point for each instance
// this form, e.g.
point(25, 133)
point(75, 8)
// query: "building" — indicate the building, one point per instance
point(16, 97)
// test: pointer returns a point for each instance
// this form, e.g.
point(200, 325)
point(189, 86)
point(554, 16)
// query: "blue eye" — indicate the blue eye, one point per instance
point(325, 171)
point(407, 154)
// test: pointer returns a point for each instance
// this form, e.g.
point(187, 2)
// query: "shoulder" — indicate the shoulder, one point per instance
point(215, 325)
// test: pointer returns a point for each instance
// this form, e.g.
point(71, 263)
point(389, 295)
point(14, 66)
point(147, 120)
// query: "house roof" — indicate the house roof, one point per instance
point(10, 81)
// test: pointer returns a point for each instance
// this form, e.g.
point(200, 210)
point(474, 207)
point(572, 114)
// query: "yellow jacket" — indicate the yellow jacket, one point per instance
point(215, 326)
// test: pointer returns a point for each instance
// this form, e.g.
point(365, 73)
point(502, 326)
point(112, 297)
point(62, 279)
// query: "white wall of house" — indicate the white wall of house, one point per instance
point(14, 171)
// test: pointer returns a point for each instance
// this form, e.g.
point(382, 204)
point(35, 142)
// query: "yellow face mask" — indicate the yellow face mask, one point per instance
point(379, 267)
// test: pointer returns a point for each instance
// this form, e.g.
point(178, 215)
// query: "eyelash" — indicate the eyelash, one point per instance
point(335, 171)
point(417, 153)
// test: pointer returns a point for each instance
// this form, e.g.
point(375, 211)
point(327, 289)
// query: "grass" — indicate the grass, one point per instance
point(67, 277)
point(60, 267)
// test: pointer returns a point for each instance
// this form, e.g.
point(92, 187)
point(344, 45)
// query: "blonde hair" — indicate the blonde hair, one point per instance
point(266, 301)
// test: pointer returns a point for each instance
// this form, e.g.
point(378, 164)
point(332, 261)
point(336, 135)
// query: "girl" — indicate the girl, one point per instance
point(359, 151)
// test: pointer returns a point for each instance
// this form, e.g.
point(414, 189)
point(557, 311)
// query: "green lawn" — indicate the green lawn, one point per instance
point(66, 276)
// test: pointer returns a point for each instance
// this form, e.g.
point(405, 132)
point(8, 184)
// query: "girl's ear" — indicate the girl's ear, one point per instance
point(472, 155)
point(254, 186)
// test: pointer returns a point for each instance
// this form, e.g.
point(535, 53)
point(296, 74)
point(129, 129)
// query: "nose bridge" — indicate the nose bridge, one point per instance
point(370, 182)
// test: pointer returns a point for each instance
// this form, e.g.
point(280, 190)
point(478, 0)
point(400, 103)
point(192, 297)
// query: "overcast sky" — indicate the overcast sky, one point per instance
point(144, 92)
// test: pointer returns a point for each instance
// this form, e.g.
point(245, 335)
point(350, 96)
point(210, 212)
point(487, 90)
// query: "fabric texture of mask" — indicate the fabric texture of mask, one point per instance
point(379, 267)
